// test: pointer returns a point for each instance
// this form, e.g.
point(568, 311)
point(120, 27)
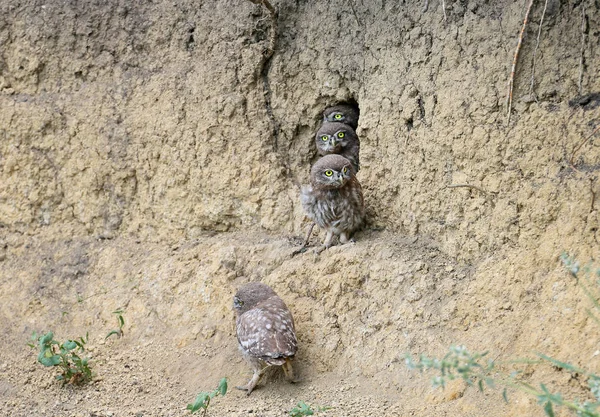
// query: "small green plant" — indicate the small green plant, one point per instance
point(303, 409)
point(74, 369)
point(459, 363)
point(203, 399)
point(584, 277)
point(121, 322)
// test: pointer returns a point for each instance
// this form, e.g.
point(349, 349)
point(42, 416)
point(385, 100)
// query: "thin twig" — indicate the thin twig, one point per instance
point(514, 65)
point(467, 186)
point(537, 45)
point(583, 42)
point(444, 9)
point(583, 142)
point(593, 194)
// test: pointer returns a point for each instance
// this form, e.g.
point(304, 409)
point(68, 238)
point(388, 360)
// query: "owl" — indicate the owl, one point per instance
point(265, 331)
point(338, 138)
point(334, 199)
point(343, 113)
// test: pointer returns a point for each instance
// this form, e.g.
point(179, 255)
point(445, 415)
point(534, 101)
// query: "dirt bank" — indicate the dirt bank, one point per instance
point(151, 160)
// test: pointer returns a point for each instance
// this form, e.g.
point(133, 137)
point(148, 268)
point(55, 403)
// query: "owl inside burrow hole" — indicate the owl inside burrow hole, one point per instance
point(334, 200)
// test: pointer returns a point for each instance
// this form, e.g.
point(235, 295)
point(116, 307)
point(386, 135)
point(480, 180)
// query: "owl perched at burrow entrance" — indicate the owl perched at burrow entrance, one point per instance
point(334, 199)
point(343, 113)
point(338, 138)
point(265, 331)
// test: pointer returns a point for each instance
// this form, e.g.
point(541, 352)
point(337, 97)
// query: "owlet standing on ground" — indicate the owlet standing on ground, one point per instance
point(265, 331)
point(343, 113)
point(334, 199)
point(338, 138)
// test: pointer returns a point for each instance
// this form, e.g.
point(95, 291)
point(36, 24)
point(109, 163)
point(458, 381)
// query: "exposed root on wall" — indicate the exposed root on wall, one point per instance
point(537, 45)
point(514, 64)
point(584, 34)
point(265, 65)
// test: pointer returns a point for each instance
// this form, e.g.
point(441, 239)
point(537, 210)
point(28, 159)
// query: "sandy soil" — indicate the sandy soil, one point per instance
point(151, 159)
point(358, 309)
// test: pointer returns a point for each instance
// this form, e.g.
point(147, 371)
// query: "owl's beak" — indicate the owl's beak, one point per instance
point(333, 142)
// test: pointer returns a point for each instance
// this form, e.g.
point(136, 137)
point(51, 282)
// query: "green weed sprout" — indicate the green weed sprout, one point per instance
point(74, 369)
point(459, 363)
point(303, 409)
point(118, 332)
point(203, 399)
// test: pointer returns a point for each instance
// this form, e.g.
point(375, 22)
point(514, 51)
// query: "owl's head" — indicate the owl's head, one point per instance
point(331, 172)
point(249, 295)
point(342, 113)
point(333, 137)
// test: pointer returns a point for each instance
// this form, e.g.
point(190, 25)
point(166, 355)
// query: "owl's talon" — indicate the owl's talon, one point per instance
point(317, 251)
point(299, 251)
point(245, 388)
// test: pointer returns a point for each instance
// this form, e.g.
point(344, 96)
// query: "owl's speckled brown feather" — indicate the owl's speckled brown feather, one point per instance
point(334, 202)
point(265, 330)
point(341, 139)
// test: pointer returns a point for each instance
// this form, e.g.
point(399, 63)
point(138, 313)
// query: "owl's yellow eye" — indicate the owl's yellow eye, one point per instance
point(338, 116)
point(329, 173)
point(324, 138)
point(341, 135)
point(345, 170)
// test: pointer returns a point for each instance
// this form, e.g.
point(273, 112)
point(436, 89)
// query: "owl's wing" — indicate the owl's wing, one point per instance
point(267, 333)
point(357, 189)
point(308, 200)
